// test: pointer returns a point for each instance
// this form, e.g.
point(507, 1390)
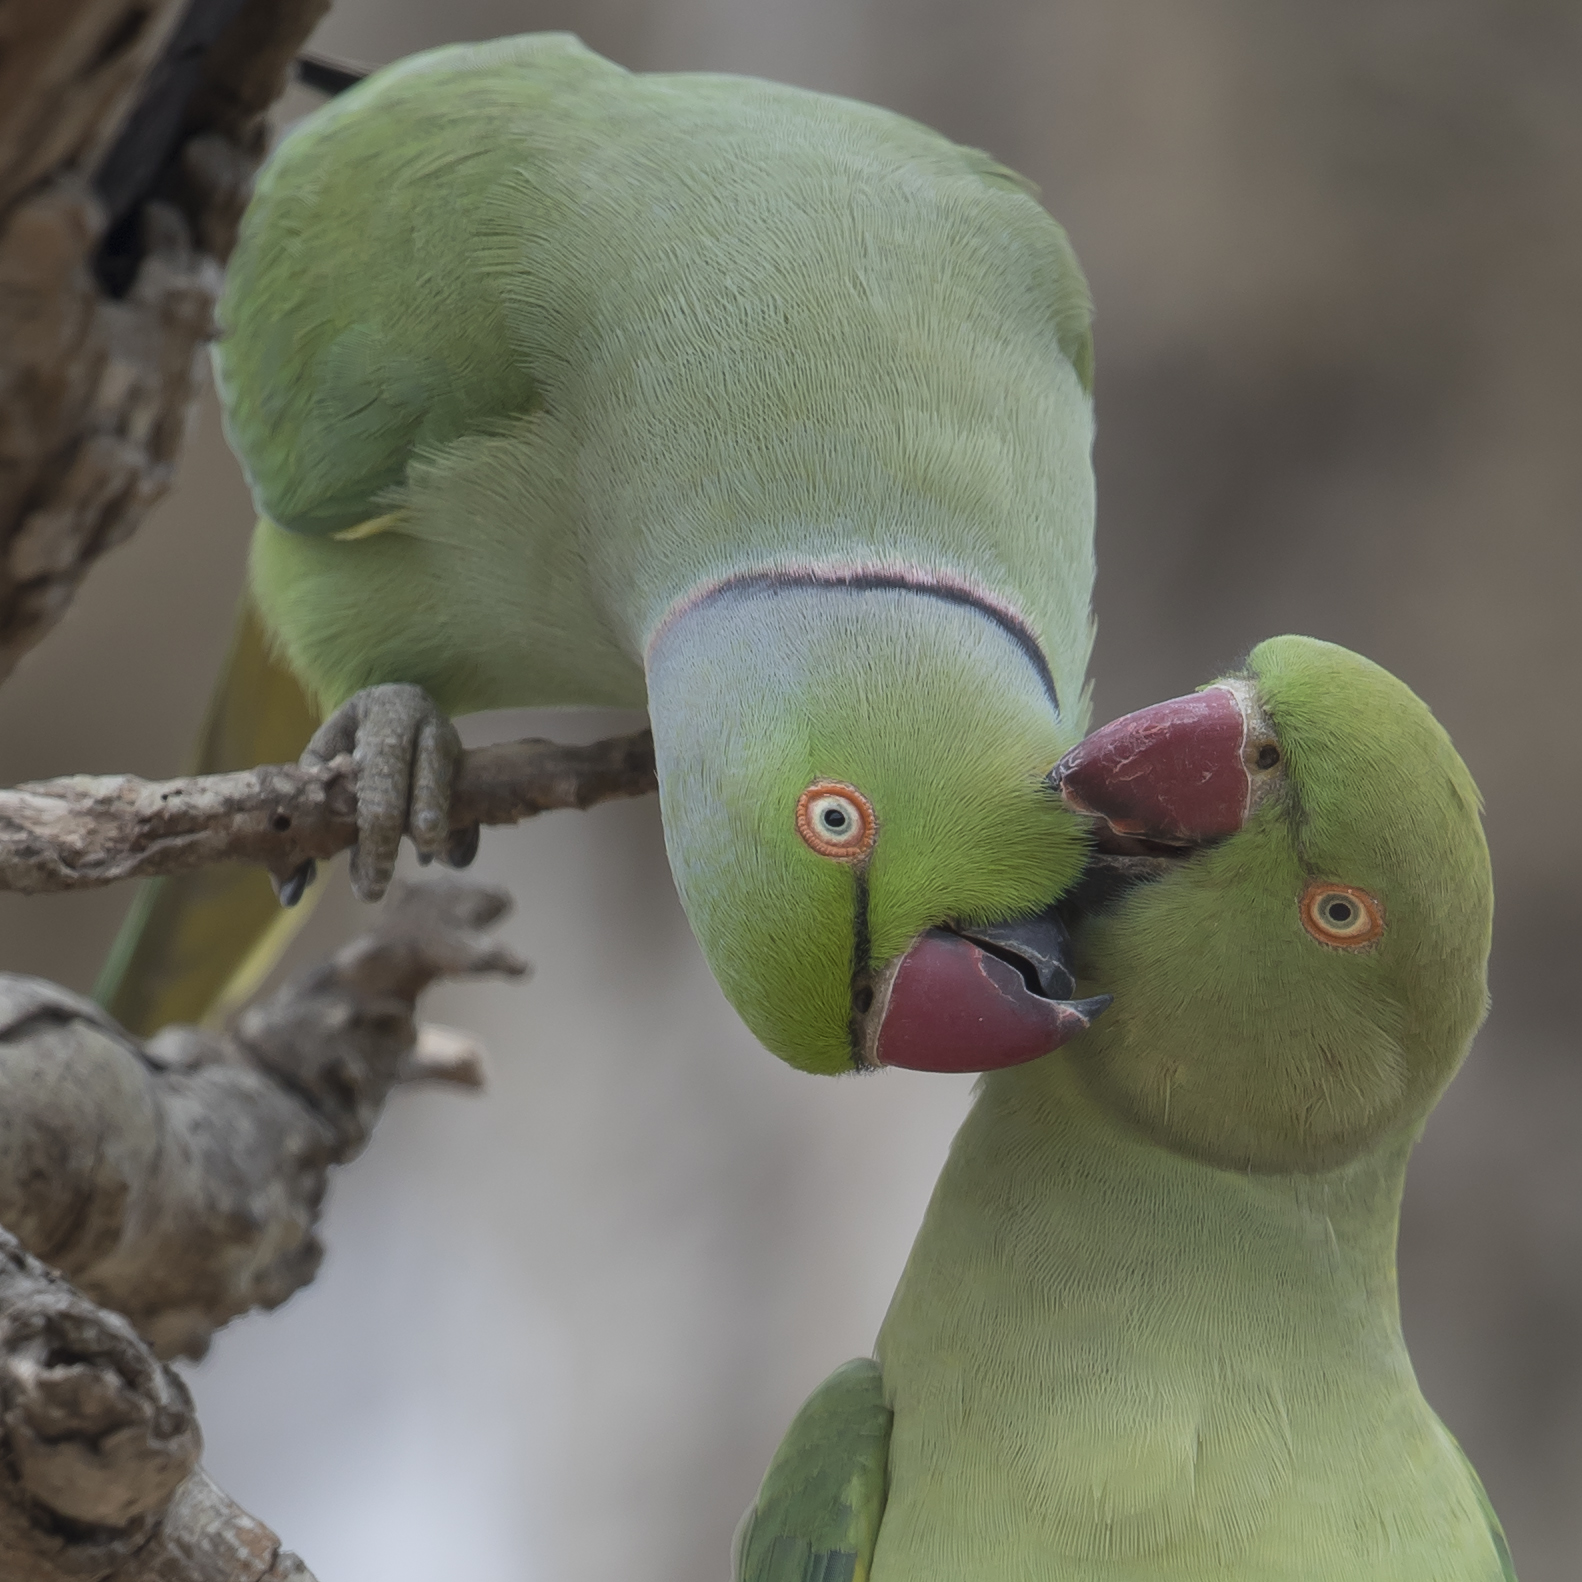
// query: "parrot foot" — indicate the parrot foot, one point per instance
point(406, 751)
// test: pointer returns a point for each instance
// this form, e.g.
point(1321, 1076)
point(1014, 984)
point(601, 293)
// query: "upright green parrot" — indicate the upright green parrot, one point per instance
point(1149, 1331)
point(765, 410)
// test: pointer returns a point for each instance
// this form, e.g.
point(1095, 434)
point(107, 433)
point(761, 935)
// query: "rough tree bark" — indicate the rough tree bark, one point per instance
point(181, 1178)
point(178, 1183)
point(99, 1447)
point(129, 133)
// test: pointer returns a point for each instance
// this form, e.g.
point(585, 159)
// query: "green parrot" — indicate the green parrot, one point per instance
point(767, 411)
point(1149, 1331)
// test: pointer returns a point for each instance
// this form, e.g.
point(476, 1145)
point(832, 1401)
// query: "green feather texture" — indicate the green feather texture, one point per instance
point(817, 1515)
point(549, 377)
point(1149, 1331)
point(849, 686)
point(1304, 1055)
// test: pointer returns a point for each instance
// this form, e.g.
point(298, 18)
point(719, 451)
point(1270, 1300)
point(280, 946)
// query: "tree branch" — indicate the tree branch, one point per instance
point(83, 831)
point(129, 134)
point(178, 1182)
point(99, 1446)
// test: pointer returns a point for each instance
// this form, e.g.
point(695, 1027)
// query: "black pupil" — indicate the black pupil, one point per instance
point(1268, 757)
point(835, 819)
point(1339, 912)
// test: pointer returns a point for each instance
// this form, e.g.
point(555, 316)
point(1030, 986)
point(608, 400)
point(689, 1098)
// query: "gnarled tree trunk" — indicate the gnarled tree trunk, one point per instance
point(129, 134)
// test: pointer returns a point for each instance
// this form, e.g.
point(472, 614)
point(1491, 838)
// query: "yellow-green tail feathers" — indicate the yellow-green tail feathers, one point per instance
point(193, 947)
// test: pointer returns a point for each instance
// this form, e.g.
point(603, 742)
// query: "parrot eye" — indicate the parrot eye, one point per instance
point(836, 821)
point(1340, 915)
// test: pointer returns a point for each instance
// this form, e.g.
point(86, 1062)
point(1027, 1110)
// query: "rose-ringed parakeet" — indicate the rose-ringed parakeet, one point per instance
point(770, 411)
point(1149, 1330)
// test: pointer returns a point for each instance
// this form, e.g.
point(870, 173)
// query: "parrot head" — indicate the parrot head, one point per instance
point(1304, 966)
point(854, 777)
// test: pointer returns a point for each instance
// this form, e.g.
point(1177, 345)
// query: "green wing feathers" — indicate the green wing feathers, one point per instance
point(195, 945)
point(359, 336)
point(816, 1518)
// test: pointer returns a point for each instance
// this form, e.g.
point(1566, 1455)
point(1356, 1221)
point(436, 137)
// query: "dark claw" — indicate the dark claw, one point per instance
point(294, 886)
point(463, 847)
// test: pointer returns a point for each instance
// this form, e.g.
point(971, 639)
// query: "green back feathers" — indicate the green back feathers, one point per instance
point(642, 332)
point(356, 330)
point(422, 256)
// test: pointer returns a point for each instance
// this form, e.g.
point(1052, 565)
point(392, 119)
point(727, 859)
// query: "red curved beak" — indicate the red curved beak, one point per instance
point(977, 999)
point(1175, 772)
point(954, 1005)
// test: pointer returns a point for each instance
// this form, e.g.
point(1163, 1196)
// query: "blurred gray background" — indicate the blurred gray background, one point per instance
point(1336, 252)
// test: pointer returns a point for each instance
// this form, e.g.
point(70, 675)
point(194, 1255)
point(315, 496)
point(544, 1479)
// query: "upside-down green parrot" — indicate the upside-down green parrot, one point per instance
point(768, 411)
point(1149, 1330)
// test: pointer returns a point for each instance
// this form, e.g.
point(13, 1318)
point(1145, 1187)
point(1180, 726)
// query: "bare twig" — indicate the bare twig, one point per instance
point(178, 1182)
point(83, 831)
point(99, 1479)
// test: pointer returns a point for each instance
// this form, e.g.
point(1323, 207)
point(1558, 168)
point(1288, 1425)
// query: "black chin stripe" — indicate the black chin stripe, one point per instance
point(861, 968)
point(896, 582)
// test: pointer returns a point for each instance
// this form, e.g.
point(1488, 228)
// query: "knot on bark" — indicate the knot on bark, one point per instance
point(95, 1430)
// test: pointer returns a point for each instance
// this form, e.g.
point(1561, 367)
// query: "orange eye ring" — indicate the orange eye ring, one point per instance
point(1340, 915)
point(836, 821)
